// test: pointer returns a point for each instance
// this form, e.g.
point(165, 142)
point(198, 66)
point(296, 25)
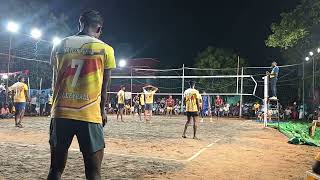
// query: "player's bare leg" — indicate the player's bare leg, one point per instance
point(16, 117)
point(186, 127)
point(58, 163)
point(21, 117)
point(195, 127)
point(120, 112)
point(92, 164)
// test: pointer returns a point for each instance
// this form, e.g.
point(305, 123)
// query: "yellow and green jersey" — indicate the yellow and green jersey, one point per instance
point(79, 63)
point(121, 97)
point(20, 90)
point(192, 97)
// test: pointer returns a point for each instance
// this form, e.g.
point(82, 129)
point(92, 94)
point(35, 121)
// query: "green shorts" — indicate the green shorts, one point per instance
point(90, 135)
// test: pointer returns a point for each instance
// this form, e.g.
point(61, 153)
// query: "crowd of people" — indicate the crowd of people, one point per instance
point(37, 104)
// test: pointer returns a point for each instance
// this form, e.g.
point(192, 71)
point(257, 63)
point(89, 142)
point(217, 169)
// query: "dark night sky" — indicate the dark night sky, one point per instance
point(175, 31)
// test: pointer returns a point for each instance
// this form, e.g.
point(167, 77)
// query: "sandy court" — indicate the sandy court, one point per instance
point(227, 149)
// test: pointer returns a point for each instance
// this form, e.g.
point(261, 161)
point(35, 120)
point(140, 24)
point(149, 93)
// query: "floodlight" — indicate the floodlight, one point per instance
point(36, 33)
point(12, 27)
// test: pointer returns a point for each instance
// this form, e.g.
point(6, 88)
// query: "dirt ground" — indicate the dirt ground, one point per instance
point(227, 149)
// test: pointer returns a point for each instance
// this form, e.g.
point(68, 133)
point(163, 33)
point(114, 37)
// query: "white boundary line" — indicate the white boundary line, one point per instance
point(201, 150)
point(133, 155)
point(209, 145)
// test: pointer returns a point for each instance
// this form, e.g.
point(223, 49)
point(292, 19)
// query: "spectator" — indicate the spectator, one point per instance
point(49, 104)
point(5, 112)
point(287, 113)
point(256, 108)
point(42, 101)
point(33, 102)
point(3, 96)
point(218, 105)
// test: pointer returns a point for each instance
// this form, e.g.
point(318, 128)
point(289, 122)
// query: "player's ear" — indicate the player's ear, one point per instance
point(99, 30)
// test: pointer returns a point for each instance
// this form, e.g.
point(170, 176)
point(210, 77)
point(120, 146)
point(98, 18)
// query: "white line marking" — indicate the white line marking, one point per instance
point(209, 145)
point(134, 155)
point(201, 150)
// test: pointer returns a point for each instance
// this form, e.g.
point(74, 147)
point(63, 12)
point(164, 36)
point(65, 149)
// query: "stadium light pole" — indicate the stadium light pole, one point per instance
point(123, 64)
point(313, 79)
point(12, 27)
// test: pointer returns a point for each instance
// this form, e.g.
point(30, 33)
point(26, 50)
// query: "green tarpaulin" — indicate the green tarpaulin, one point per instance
point(298, 132)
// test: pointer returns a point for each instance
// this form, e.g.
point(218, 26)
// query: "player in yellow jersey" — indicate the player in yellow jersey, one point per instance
point(121, 99)
point(20, 98)
point(82, 67)
point(149, 92)
point(142, 104)
point(316, 165)
point(192, 101)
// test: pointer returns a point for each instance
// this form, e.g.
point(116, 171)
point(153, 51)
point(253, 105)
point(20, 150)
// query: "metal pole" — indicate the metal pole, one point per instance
point(8, 66)
point(182, 88)
point(313, 84)
point(238, 74)
point(131, 86)
point(265, 101)
point(241, 91)
point(303, 91)
point(40, 84)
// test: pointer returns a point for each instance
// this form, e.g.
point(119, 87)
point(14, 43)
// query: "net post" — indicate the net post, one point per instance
point(303, 91)
point(265, 101)
point(241, 91)
point(131, 85)
point(182, 88)
point(238, 74)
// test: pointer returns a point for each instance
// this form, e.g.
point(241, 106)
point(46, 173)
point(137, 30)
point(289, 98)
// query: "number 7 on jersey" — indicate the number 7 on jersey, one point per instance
point(79, 64)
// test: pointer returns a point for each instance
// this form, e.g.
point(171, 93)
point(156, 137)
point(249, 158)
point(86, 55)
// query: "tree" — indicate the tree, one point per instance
point(224, 62)
point(296, 34)
point(298, 28)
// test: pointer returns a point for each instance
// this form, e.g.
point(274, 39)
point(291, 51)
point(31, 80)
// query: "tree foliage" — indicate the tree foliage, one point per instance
point(217, 58)
point(298, 27)
point(224, 62)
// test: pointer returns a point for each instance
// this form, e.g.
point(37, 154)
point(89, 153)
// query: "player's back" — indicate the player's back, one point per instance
point(79, 63)
point(191, 95)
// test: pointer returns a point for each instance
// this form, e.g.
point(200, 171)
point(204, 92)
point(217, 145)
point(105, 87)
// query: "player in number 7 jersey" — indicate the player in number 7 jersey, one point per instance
point(82, 67)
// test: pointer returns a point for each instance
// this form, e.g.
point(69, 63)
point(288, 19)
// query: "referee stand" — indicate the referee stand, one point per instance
point(270, 106)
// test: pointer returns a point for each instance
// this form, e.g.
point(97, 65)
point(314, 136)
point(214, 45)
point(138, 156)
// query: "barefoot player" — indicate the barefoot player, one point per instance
point(192, 101)
point(20, 98)
point(121, 101)
point(149, 92)
point(82, 68)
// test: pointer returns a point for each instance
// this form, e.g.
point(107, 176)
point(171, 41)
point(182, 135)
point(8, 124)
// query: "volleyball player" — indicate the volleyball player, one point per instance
point(149, 92)
point(121, 102)
point(82, 67)
point(192, 101)
point(205, 106)
point(20, 89)
point(142, 104)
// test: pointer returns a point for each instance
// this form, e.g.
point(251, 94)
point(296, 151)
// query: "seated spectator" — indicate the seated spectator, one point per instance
point(5, 112)
point(127, 109)
point(287, 113)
